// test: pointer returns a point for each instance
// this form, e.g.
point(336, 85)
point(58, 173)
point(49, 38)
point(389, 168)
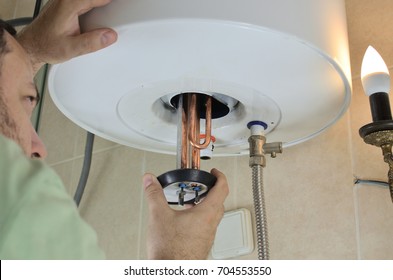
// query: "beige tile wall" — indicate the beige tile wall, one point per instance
point(7, 9)
point(16, 8)
point(314, 209)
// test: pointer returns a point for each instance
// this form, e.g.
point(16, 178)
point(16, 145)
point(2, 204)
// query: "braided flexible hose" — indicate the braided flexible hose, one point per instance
point(260, 212)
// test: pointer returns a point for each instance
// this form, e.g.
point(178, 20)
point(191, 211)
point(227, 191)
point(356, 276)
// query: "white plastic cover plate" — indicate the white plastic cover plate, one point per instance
point(234, 235)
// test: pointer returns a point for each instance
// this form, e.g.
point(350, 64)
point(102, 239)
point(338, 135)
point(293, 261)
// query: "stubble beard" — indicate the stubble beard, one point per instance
point(8, 126)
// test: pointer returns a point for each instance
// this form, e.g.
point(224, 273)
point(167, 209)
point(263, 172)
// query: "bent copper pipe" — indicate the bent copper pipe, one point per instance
point(190, 130)
point(194, 135)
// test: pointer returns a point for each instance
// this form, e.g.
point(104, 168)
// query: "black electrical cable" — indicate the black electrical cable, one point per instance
point(85, 169)
point(37, 8)
point(20, 21)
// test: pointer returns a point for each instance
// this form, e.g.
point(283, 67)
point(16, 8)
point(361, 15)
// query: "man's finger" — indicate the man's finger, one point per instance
point(82, 6)
point(92, 41)
point(219, 192)
point(154, 194)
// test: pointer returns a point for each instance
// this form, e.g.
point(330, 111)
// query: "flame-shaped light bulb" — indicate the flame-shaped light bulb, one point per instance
point(375, 73)
point(376, 84)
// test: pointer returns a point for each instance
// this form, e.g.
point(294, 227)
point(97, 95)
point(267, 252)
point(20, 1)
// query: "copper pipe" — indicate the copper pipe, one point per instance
point(185, 163)
point(193, 134)
point(189, 127)
point(195, 142)
point(192, 113)
point(196, 153)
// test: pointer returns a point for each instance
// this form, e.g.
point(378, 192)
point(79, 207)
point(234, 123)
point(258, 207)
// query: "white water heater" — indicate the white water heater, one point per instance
point(282, 62)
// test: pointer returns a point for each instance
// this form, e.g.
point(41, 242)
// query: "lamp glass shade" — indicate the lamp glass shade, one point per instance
point(374, 73)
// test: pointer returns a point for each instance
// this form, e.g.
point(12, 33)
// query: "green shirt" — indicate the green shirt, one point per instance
point(38, 219)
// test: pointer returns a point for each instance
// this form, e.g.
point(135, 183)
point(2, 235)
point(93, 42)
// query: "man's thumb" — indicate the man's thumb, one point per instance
point(153, 191)
point(94, 40)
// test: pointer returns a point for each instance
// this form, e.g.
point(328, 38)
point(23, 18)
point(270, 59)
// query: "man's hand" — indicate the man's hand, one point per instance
point(186, 234)
point(55, 35)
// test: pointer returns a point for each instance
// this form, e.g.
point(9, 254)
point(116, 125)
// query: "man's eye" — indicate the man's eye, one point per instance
point(31, 99)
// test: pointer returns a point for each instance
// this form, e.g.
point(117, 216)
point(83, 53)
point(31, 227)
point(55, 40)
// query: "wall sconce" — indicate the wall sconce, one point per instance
point(376, 85)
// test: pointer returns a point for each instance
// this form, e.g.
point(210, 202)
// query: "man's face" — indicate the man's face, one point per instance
point(19, 95)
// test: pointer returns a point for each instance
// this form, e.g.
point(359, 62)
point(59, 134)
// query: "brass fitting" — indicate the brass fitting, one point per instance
point(273, 149)
point(257, 154)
